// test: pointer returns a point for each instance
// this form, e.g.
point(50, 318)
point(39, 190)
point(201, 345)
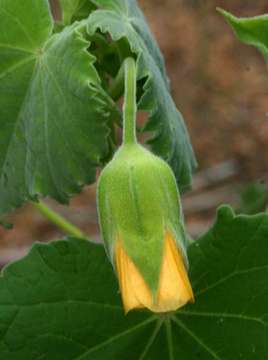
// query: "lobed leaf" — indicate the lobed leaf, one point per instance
point(123, 19)
point(71, 9)
point(61, 302)
point(252, 31)
point(54, 113)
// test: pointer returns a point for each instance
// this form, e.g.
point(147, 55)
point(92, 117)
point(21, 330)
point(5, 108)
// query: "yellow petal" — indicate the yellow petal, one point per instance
point(174, 287)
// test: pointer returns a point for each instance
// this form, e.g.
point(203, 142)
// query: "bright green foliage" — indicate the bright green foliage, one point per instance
point(61, 302)
point(57, 121)
point(53, 111)
point(123, 19)
point(252, 31)
point(138, 204)
point(72, 9)
point(69, 8)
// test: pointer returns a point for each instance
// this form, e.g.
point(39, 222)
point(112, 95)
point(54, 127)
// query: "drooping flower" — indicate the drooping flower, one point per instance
point(141, 222)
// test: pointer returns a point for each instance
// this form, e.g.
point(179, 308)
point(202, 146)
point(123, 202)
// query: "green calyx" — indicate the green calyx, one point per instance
point(138, 204)
point(138, 199)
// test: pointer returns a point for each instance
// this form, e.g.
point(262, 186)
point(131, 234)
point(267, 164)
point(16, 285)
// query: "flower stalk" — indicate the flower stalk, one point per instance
point(130, 107)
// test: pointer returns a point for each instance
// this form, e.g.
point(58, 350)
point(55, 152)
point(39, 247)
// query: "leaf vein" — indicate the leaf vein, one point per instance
point(151, 339)
point(228, 277)
point(169, 339)
point(70, 301)
point(16, 66)
point(8, 46)
point(16, 20)
point(181, 325)
point(224, 315)
point(115, 337)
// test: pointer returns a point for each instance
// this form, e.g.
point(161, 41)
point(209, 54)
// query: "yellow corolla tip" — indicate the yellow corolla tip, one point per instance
point(174, 289)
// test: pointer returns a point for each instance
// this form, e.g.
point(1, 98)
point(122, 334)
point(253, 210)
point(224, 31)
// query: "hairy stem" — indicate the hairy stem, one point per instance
point(59, 220)
point(130, 107)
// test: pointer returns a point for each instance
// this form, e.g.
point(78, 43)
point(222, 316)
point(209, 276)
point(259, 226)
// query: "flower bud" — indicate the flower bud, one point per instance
point(142, 227)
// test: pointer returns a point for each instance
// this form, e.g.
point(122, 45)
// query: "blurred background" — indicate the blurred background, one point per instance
point(221, 87)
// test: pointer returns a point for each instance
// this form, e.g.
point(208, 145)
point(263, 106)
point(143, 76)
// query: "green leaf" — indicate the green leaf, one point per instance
point(123, 19)
point(252, 31)
point(72, 9)
point(253, 198)
point(61, 302)
point(53, 110)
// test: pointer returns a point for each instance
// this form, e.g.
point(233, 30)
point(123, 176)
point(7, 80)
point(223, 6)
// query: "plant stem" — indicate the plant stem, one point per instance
point(117, 87)
point(59, 220)
point(130, 107)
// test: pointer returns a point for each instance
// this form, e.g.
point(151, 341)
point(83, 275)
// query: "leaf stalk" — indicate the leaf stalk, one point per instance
point(59, 220)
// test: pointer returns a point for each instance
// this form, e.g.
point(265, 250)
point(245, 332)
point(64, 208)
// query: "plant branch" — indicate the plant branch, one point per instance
point(59, 220)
